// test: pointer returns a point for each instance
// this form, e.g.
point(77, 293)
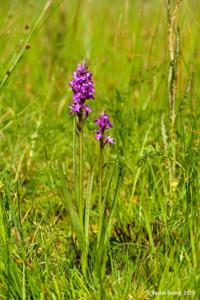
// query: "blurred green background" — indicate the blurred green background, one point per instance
point(126, 45)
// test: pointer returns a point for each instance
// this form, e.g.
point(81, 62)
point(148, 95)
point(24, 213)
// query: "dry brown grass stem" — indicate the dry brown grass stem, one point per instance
point(174, 53)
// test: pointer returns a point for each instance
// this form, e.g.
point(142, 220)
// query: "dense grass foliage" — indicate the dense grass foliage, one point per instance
point(154, 242)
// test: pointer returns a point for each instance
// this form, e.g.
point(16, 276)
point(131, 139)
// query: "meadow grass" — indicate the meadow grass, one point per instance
point(154, 241)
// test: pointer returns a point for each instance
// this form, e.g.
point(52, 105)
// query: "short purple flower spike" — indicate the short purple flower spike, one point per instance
point(83, 89)
point(103, 121)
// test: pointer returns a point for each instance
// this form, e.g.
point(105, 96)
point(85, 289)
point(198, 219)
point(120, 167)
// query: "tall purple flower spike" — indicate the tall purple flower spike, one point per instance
point(103, 121)
point(83, 89)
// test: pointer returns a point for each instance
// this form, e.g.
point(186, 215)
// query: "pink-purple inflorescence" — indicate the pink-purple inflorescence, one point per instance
point(103, 121)
point(83, 89)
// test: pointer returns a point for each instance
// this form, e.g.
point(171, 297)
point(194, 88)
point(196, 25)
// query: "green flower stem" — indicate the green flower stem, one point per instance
point(100, 187)
point(81, 204)
point(100, 248)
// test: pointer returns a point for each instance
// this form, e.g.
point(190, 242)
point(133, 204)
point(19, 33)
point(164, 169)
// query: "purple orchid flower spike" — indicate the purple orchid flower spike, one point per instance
point(103, 121)
point(83, 89)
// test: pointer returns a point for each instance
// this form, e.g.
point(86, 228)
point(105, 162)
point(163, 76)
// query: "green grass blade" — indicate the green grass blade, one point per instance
point(72, 210)
point(87, 207)
point(102, 212)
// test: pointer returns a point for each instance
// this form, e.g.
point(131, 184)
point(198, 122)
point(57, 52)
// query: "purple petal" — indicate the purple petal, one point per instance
point(109, 140)
point(87, 109)
point(99, 134)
